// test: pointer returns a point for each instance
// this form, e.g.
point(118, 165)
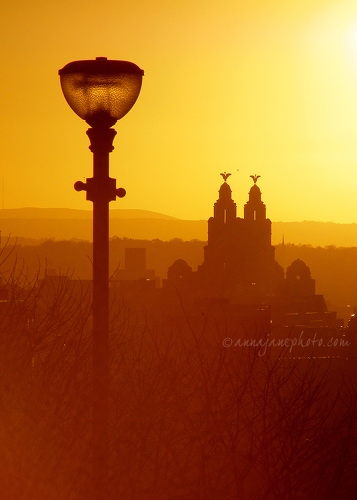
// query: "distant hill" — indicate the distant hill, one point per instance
point(71, 213)
point(66, 224)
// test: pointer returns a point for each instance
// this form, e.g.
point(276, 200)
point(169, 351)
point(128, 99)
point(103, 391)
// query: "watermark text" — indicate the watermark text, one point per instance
point(288, 343)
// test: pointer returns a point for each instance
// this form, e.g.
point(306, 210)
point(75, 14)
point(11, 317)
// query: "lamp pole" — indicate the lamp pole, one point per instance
point(100, 190)
point(101, 92)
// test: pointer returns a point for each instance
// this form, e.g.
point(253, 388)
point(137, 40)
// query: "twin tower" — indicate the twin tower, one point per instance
point(239, 259)
point(239, 266)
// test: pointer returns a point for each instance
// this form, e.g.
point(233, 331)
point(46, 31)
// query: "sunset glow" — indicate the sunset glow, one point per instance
point(178, 241)
point(243, 87)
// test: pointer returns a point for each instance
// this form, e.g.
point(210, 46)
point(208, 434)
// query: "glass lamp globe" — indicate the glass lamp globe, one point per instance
point(101, 91)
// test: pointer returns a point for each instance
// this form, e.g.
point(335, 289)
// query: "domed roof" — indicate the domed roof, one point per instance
point(255, 193)
point(180, 264)
point(179, 270)
point(298, 268)
point(225, 191)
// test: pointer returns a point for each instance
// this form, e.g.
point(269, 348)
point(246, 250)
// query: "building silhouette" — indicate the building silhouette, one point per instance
point(239, 270)
point(239, 259)
point(135, 266)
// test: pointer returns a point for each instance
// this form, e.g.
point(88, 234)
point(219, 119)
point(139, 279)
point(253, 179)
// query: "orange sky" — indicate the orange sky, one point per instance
point(260, 87)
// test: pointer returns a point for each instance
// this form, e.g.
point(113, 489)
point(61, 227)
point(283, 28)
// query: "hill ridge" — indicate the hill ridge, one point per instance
point(74, 213)
point(67, 224)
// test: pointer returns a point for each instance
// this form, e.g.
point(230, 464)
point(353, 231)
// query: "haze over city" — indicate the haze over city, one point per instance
point(202, 345)
point(245, 87)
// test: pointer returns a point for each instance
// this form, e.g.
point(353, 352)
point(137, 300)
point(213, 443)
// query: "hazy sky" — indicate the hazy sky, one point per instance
point(266, 87)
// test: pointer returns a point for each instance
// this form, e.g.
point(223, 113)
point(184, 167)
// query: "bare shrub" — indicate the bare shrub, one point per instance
point(189, 419)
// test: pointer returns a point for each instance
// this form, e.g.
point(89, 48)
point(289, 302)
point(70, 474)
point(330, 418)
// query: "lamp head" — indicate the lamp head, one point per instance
point(101, 91)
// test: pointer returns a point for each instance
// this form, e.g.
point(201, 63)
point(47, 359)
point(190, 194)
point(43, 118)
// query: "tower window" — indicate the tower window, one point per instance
point(225, 216)
point(255, 215)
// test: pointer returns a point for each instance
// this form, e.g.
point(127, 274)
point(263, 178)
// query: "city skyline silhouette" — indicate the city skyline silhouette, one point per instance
point(182, 345)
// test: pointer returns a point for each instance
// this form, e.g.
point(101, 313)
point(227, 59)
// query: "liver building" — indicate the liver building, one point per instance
point(239, 268)
point(239, 259)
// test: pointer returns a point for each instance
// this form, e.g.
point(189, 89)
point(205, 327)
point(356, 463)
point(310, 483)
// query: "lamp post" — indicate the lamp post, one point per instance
point(100, 91)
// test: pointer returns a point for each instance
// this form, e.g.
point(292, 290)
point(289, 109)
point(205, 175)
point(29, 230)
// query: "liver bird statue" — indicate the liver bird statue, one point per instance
point(255, 178)
point(225, 176)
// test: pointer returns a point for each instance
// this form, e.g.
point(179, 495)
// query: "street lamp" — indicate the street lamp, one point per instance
point(100, 92)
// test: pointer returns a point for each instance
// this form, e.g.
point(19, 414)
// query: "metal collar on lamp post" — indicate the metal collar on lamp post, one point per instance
point(101, 91)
